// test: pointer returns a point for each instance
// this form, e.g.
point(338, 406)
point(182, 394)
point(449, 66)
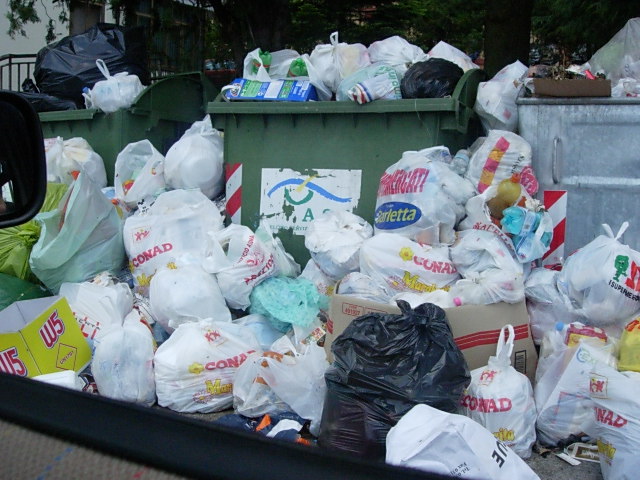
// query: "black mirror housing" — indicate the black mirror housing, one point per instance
point(23, 169)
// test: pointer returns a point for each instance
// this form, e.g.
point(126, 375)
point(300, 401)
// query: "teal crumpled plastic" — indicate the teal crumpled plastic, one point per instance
point(287, 301)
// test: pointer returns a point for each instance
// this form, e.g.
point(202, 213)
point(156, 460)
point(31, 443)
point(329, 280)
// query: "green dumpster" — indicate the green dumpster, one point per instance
point(161, 114)
point(288, 162)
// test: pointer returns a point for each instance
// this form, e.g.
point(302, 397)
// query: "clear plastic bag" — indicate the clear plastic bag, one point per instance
point(196, 160)
point(78, 240)
point(602, 280)
point(139, 173)
point(496, 99)
point(116, 92)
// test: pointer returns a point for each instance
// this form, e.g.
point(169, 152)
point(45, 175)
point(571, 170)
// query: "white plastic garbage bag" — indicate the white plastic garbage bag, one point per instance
point(616, 399)
point(195, 367)
point(285, 263)
point(561, 390)
point(491, 272)
point(291, 377)
point(377, 81)
point(359, 285)
point(122, 364)
point(602, 279)
point(325, 284)
point(240, 261)
point(186, 293)
point(196, 160)
point(116, 92)
point(501, 399)
point(262, 328)
point(441, 298)
point(401, 265)
point(252, 397)
point(175, 226)
point(334, 240)
point(65, 157)
point(443, 50)
point(139, 173)
point(98, 304)
point(396, 52)
point(496, 99)
point(79, 239)
point(335, 61)
point(546, 304)
point(421, 197)
point(502, 154)
point(453, 445)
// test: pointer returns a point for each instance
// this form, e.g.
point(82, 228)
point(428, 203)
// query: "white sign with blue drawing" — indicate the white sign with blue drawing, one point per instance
point(291, 199)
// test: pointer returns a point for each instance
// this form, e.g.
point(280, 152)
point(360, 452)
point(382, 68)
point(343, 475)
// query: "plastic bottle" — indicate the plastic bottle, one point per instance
point(509, 191)
point(265, 58)
point(460, 162)
point(519, 220)
point(298, 68)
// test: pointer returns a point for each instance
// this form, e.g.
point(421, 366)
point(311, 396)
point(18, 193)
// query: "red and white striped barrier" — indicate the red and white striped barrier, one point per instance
point(233, 174)
point(555, 201)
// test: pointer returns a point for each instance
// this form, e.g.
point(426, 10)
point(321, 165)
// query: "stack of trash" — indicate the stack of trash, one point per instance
point(178, 307)
point(388, 69)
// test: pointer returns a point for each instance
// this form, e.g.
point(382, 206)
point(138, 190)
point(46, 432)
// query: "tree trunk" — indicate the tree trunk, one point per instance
point(507, 32)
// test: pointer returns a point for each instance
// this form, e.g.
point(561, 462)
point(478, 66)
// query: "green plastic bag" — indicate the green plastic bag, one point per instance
point(16, 242)
point(13, 289)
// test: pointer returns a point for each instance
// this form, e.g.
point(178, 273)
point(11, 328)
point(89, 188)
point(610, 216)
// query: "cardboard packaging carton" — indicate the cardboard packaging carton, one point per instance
point(41, 336)
point(277, 90)
point(548, 87)
point(475, 329)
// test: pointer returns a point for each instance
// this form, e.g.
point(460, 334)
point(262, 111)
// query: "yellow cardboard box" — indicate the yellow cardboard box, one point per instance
point(41, 336)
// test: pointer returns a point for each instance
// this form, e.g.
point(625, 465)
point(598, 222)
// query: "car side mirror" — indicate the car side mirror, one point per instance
point(23, 168)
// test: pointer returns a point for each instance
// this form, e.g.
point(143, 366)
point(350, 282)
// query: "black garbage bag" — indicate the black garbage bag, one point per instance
point(384, 365)
point(42, 102)
point(65, 67)
point(433, 78)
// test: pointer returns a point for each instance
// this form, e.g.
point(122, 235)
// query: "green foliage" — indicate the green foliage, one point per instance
point(21, 12)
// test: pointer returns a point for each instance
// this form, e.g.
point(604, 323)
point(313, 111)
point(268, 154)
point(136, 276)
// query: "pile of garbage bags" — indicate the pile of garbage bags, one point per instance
point(183, 309)
point(388, 69)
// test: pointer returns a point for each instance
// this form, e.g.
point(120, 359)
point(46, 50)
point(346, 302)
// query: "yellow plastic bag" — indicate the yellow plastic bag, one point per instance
point(629, 353)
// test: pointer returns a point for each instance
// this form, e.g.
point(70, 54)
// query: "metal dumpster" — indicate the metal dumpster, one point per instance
point(589, 147)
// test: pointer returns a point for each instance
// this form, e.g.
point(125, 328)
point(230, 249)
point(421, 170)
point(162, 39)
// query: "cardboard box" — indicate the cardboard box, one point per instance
point(41, 336)
point(475, 329)
point(278, 90)
point(548, 87)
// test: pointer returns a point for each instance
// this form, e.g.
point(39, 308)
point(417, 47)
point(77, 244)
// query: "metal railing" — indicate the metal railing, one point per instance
point(15, 69)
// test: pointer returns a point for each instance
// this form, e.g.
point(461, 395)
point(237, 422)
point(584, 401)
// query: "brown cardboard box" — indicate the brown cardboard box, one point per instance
point(475, 329)
point(548, 87)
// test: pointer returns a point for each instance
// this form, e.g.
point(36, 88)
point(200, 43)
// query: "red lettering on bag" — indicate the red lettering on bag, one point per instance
point(401, 182)
point(234, 361)
point(633, 280)
point(607, 417)
point(151, 253)
point(486, 405)
point(435, 266)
